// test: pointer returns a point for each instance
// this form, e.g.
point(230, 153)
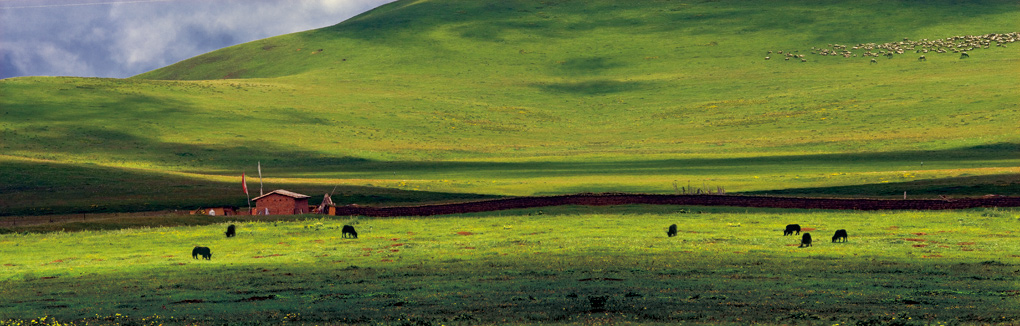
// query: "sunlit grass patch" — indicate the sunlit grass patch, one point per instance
point(524, 268)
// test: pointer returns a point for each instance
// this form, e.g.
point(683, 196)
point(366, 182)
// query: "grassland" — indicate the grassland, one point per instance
point(528, 97)
point(425, 101)
point(727, 266)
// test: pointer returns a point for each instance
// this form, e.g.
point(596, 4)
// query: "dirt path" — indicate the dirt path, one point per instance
point(690, 200)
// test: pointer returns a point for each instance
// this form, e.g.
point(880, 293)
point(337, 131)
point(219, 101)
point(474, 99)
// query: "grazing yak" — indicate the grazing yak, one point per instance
point(790, 229)
point(349, 231)
point(840, 235)
point(204, 251)
point(231, 231)
point(672, 231)
point(805, 241)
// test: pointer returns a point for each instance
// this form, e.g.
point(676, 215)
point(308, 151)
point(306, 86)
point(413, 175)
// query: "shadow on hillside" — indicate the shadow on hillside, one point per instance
point(120, 146)
point(104, 98)
point(493, 21)
point(35, 188)
point(593, 87)
point(708, 166)
point(970, 186)
point(287, 161)
point(43, 188)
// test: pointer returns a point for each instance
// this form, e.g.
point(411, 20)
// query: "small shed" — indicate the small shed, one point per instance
point(281, 202)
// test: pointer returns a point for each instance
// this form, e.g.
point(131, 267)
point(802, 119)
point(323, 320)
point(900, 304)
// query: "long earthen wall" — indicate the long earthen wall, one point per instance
point(689, 200)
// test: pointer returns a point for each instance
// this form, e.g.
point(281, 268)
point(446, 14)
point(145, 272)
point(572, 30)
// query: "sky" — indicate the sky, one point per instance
point(123, 38)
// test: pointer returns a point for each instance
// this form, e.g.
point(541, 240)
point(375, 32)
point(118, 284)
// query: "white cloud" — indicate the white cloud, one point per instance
point(45, 58)
point(121, 38)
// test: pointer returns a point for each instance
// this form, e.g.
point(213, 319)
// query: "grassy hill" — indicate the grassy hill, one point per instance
point(541, 97)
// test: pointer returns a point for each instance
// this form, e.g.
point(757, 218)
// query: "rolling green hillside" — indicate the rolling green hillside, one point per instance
point(539, 97)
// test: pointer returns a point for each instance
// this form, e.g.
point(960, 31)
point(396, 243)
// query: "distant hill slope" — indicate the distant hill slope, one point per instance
point(576, 39)
point(525, 97)
point(545, 77)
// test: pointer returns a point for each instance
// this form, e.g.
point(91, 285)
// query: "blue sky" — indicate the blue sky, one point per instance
point(123, 38)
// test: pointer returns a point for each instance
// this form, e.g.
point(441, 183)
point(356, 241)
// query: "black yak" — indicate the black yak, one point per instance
point(790, 229)
point(840, 235)
point(598, 304)
point(672, 231)
point(204, 251)
point(349, 230)
point(231, 231)
point(805, 241)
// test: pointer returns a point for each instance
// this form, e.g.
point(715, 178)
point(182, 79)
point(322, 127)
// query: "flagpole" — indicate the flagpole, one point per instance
point(245, 186)
point(260, 178)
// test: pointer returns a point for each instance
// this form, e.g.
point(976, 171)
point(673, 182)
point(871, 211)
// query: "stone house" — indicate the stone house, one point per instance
point(281, 202)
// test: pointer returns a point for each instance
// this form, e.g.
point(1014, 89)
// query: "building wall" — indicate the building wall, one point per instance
point(301, 206)
point(281, 205)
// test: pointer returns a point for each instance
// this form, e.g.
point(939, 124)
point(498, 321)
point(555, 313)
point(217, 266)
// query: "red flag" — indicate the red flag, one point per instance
point(244, 184)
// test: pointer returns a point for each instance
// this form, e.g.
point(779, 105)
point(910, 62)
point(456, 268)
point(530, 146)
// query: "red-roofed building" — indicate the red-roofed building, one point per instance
point(281, 202)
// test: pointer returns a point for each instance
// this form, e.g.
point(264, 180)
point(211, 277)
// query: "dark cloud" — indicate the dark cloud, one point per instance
point(122, 38)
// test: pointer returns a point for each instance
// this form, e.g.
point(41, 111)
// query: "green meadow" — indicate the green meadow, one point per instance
point(566, 265)
point(448, 100)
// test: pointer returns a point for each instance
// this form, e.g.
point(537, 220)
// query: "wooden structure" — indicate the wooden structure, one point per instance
point(215, 211)
point(281, 202)
point(326, 207)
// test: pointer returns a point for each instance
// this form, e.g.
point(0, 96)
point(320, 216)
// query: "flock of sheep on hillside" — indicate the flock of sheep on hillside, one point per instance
point(955, 44)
